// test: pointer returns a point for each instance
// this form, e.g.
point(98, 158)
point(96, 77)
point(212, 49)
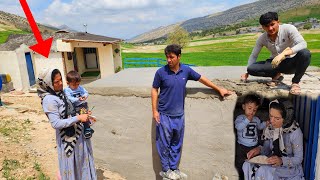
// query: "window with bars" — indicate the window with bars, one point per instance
point(89, 50)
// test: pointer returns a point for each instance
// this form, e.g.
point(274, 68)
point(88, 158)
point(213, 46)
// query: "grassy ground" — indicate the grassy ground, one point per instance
point(235, 50)
point(5, 34)
point(90, 74)
point(229, 51)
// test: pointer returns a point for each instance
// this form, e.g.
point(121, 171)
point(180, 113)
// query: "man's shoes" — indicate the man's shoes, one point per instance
point(169, 175)
point(180, 174)
point(275, 82)
point(295, 89)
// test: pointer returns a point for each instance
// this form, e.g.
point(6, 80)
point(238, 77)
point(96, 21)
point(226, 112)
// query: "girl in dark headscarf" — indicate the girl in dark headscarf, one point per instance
point(74, 153)
point(283, 144)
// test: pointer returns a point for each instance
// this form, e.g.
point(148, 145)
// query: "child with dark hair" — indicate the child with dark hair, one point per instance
point(247, 126)
point(78, 96)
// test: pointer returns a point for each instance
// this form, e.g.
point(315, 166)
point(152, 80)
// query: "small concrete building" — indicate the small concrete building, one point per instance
point(83, 52)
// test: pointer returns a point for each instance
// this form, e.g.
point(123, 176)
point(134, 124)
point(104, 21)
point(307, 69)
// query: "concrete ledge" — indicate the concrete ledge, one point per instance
point(138, 82)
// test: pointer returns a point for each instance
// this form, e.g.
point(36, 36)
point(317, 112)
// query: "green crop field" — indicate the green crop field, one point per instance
point(5, 34)
point(232, 51)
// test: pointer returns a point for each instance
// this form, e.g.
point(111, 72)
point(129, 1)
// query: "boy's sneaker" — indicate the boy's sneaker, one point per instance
point(180, 174)
point(169, 175)
point(88, 133)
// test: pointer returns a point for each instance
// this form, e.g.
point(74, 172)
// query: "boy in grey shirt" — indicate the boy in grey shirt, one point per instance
point(288, 53)
point(247, 126)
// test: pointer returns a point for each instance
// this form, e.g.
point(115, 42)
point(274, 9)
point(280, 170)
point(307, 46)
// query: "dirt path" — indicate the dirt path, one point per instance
point(27, 141)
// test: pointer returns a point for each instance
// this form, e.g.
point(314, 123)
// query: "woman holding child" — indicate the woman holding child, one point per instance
point(75, 152)
point(283, 145)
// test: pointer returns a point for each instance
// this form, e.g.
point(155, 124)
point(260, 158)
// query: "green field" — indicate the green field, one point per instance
point(5, 34)
point(223, 37)
point(232, 51)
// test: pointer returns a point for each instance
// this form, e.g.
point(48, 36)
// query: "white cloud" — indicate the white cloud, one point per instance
point(119, 18)
point(11, 7)
point(101, 15)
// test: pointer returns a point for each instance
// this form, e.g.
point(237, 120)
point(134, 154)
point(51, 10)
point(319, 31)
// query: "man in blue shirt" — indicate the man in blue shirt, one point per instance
point(168, 108)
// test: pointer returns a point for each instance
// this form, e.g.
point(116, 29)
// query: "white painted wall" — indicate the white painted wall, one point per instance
point(63, 46)
point(105, 57)
point(54, 61)
point(87, 44)
point(14, 62)
point(23, 66)
point(80, 60)
point(68, 63)
point(117, 56)
point(104, 54)
point(9, 65)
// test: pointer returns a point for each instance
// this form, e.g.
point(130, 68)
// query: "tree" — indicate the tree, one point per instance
point(307, 26)
point(179, 36)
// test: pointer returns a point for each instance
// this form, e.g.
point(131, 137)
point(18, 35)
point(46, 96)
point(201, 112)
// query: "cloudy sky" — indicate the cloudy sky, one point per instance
point(118, 18)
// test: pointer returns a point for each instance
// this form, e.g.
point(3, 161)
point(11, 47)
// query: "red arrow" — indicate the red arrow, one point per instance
point(43, 47)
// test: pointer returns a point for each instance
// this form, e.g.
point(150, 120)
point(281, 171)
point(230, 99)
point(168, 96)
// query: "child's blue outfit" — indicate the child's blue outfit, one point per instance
point(73, 96)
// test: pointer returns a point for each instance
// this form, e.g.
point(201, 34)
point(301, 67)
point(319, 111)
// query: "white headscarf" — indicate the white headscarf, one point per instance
point(45, 83)
point(288, 126)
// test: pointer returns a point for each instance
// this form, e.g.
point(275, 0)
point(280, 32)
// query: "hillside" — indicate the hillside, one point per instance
point(248, 12)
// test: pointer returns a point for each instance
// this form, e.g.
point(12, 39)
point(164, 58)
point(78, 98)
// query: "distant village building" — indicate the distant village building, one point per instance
point(312, 20)
point(83, 52)
point(245, 30)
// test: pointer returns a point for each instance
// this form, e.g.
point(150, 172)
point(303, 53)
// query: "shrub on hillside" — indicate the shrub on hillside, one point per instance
point(179, 36)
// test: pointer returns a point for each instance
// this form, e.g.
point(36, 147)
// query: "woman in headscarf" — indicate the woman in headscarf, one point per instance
point(75, 152)
point(283, 145)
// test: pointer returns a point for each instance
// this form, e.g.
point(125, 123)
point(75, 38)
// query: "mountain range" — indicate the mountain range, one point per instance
point(11, 21)
point(232, 16)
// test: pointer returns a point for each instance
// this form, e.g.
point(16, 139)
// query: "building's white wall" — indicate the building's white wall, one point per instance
point(53, 61)
point(63, 46)
point(9, 65)
point(23, 66)
point(14, 62)
point(117, 56)
point(105, 58)
point(68, 63)
point(87, 44)
point(80, 61)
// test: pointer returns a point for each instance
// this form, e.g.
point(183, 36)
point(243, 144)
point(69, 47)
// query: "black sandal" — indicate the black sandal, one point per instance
point(275, 82)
